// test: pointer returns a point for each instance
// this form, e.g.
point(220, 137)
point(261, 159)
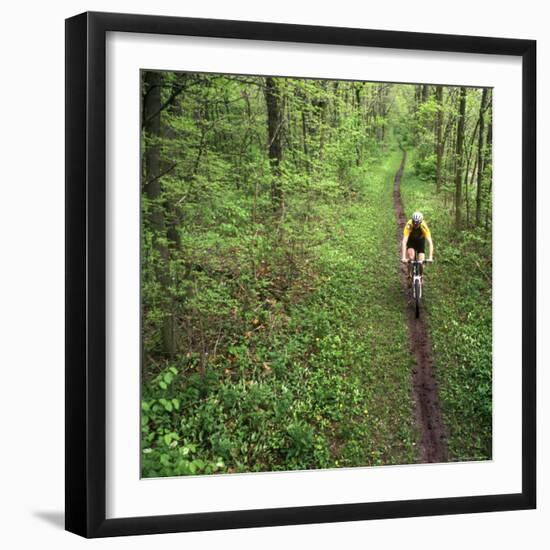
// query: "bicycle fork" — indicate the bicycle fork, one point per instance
point(414, 286)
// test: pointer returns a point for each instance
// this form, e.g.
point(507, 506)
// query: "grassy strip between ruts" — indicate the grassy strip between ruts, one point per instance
point(459, 317)
point(329, 386)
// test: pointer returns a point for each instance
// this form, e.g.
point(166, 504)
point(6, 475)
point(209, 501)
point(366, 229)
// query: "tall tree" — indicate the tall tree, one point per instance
point(151, 185)
point(425, 92)
point(152, 83)
point(480, 154)
point(459, 159)
point(438, 137)
point(274, 136)
point(487, 164)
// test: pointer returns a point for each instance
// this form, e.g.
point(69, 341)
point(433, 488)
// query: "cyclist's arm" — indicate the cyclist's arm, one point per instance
point(428, 236)
point(431, 246)
point(406, 233)
point(404, 248)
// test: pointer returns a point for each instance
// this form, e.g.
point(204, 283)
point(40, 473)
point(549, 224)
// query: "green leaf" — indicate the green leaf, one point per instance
point(171, 436)
point(199, 463)
point(166, 404)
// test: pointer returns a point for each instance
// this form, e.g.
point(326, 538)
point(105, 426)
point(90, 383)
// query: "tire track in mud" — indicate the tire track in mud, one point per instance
point(433, 440)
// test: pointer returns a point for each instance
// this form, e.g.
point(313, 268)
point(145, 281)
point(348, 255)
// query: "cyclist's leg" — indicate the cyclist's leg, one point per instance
point(410, 255)
point(421, 253)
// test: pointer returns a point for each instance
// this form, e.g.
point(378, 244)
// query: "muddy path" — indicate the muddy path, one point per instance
point(433, 441)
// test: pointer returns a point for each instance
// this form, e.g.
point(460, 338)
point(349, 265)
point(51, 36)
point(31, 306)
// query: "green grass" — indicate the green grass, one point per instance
point(315, 377)
point(459, 317)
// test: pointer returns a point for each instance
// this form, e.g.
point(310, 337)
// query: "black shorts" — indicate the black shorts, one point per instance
point(417, 244)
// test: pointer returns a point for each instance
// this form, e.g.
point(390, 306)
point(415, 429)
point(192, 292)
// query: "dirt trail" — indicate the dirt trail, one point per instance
point(433, 442)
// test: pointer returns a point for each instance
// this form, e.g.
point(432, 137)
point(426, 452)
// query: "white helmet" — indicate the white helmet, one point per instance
point(417, 217)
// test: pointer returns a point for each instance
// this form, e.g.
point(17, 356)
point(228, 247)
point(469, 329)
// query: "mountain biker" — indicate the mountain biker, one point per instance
point(415, 235)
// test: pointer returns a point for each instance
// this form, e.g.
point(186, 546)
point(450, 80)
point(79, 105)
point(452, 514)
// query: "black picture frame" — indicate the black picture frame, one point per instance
point(86, 274)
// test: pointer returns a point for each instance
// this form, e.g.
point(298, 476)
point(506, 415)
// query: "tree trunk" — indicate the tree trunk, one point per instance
point(468, 183)
point(274, 133)
point(487, 162)
point(304, 140)
point(425, 92)
point(459, 159)
point(439, 141)
point(378, 114)
point(151, 184)
point(468, 150)
point(335, 111)
point(480, 154)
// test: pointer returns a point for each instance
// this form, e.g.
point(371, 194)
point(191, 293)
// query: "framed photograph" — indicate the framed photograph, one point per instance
point(300, 274)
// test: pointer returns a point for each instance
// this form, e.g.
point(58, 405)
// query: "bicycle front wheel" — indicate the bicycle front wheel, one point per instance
point(417, 290)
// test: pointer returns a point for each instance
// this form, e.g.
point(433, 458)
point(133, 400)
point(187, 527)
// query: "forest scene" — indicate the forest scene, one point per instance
point(277, 326)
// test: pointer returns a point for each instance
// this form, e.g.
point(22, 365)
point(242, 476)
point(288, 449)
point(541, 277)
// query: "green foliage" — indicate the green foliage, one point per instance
point(274, 335)
point(424, 168)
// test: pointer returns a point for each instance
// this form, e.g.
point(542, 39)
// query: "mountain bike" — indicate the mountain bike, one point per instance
point(417, 270)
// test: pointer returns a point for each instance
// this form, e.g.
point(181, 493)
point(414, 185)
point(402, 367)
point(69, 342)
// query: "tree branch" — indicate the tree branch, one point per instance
point(149, 182)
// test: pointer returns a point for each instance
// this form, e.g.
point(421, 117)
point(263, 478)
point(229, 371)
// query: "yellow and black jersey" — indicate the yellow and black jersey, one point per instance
point(416, 232)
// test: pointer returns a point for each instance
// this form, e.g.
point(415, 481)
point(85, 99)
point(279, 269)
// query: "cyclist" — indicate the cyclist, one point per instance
point(415, 235)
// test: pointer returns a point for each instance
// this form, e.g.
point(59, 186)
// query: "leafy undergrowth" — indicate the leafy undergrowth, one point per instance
point(316, 372)
point(459, 317)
